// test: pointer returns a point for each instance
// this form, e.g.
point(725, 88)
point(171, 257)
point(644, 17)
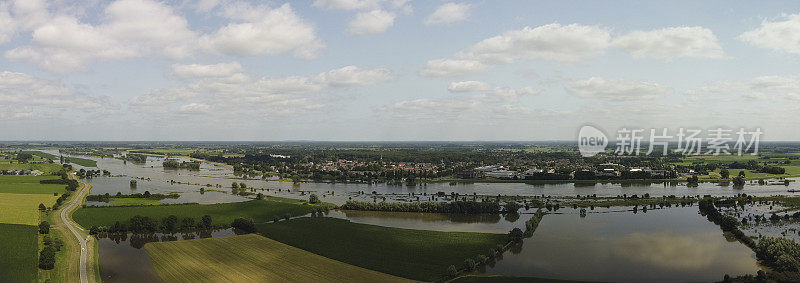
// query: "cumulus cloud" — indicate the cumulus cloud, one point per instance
point(452, 67)
point(132, 28)
point(474, 100)
point(353, 76)
point(7, 24)
point(555, 42)
point(764, 87)
point(23, 95)
point(782, 35)
point(670, 43)
point(224, 88)
point(346, 4)
point(375, 21)
point(221, 70)
point(467, 86)
point(617, 90)
point(449, 13)
point(258, 30)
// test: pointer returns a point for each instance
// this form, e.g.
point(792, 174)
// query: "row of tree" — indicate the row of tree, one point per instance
point(464, 207)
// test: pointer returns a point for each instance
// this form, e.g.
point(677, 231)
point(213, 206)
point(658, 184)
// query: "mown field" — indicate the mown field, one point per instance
point(223, 213)
point(251, 258)
point(414, 254)
point(23, 208)
point(18, 253)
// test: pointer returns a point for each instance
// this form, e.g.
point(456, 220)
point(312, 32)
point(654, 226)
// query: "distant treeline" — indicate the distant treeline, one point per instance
point(174, 164)
point(466, 207)
point(147, 195)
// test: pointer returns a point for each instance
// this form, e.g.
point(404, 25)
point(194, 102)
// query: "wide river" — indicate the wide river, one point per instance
point(662, 245)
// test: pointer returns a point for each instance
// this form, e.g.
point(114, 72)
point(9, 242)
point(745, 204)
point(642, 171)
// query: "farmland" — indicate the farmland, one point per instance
point(77, 160)
point(251, 258)
point(22, 208)
point(223, 213)
point(29, 185)
point(18, 253)
point(46, 168)
point(415, 254)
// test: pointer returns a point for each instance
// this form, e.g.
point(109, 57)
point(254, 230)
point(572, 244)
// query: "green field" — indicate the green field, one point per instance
point(77, 160)
point(223, 213)
point(23, 208)
point(251, 258)
point(415, 254)
point(133, 201)
point(18, 253)
point(29, 185)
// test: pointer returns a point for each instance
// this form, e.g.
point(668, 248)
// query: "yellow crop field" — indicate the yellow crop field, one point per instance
point(251, 258)
point(23, 208)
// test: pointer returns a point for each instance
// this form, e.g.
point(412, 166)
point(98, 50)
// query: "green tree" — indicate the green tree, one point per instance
point(206, 221)
point(244, 224)
point(313, 198)
point(235, 185)
point(42, 207)
point(47, 258)
point(44, 227)
point(724, 173)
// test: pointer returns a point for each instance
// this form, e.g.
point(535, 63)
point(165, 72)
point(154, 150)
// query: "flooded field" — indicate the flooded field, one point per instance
point(152, 176)
point(664, 245)
point(124, 259)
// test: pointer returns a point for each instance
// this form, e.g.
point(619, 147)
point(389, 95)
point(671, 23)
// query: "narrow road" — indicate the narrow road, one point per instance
point(77, 231)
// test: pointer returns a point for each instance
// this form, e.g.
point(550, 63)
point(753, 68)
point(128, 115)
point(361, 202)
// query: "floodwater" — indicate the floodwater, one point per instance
point(189, 182)
point(481, 223)
point(124, 259)
point(663, 245)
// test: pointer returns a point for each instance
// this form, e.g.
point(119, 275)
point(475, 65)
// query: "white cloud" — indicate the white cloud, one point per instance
point(7, 24)
point(262, 30)
point(347, 4)
point(468, 86)
point(778, 35)
point(617, 90)
point(452, 67)
point(223, 88)
point(375, 21)
point(221, 70)
point(449, 13)
point(132, 28)
point(670, 43)
point(353, 76)
point(24, 94)
point(763, 87)
point(570, 43)
point(195, 108)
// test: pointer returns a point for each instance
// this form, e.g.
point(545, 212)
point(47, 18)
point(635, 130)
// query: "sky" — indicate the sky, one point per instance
point(394, 70)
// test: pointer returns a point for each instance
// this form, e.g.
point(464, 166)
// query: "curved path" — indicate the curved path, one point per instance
point(77, 230)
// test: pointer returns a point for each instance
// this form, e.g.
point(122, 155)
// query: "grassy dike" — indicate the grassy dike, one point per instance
point(414, 254)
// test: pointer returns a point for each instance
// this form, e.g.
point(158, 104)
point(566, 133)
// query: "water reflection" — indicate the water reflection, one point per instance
point(124, 259)
point(664, 245)
point(483, 223)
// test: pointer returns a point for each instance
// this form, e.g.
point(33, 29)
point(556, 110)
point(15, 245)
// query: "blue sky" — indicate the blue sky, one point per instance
point(393, 69)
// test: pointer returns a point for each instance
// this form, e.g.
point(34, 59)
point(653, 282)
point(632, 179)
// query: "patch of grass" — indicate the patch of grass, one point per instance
point(19, 251)
point(23, 208)
point(29, 185)
point(222, 213)
point(133, 201)
point(415, 254)
point(251, 258)
point(41, 154)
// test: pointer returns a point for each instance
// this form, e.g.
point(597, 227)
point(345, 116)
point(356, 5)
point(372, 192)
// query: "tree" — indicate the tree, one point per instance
point(47, 258)
point(133, 183)
point(313, 198)
point(187, 223)
point(42, 207)
point(724, 173)
point(260, 196)
point(741, 173)
point(515, 235)
point(44, 227)
point(244, 224)
point(511, 207)
point(206, 221)
point(170, 223)
point(469, 264)
point(235, 185)
point(243, 185)
point(24, 156)
point(452, 271)
point(738, 181)
point(146, 194)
